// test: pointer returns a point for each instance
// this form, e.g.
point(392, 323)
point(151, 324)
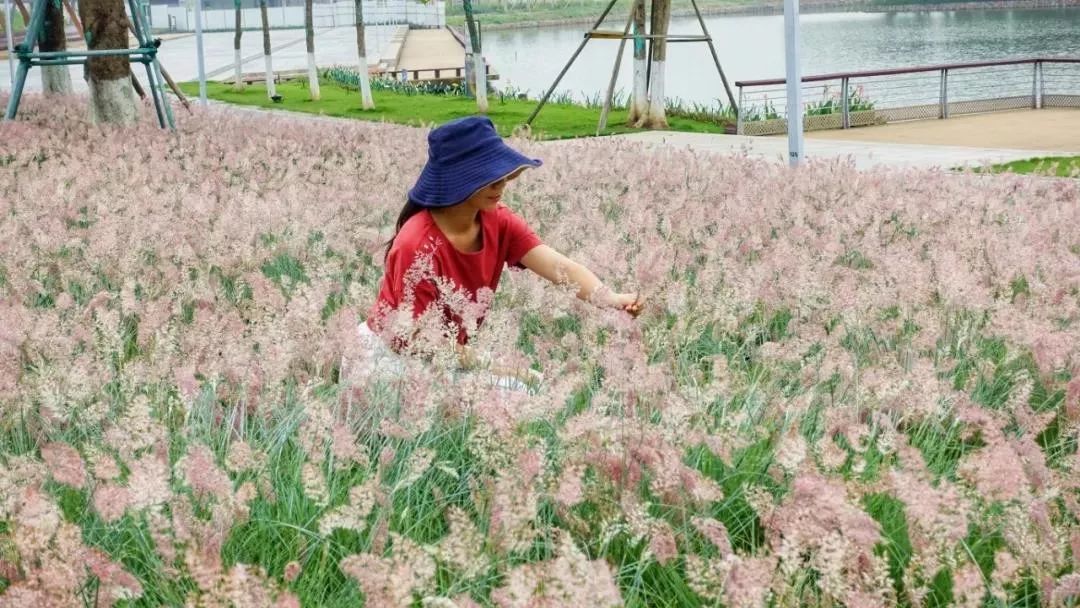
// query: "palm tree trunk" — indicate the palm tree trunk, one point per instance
point(238, 82)
point(479, 68)
point(639, 100)
point(361, 48)
point(661, 17)
point(112, 99)
point(312, 71)
point(271, 91)
point(55, 79)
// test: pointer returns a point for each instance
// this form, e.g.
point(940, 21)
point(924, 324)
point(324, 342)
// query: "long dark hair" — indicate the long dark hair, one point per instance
point(410, 209)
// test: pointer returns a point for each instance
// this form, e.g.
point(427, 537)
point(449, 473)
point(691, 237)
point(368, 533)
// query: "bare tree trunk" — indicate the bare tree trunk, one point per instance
point(639, 98)
point(238, 82)
point(112, 99)
point(271, 91)
point(22, 11)
point(479, 68)
point(309, 35)
point(74, 19)
point(661, 17)
point(55, 79)
point(361, 48)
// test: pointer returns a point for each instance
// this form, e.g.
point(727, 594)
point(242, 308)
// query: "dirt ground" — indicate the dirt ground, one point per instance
point(1048, 129)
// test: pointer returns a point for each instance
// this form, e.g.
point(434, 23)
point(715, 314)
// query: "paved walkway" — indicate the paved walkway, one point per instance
point(333, 46)
point(863, 154)
point(1056, 129)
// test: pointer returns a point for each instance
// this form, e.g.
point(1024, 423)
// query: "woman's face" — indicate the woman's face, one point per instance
point(489, 196)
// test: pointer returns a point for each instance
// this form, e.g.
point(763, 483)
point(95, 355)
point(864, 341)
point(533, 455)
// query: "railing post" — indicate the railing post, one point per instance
point(845, 107)
point(1042, 85)
point(1035, 86)
point(739, 113)
point(944, 111)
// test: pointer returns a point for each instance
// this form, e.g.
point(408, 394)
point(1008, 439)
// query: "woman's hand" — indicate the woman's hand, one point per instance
point(631, 303)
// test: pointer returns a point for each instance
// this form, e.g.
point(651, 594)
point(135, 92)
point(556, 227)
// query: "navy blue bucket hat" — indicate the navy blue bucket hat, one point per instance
point(464, 155)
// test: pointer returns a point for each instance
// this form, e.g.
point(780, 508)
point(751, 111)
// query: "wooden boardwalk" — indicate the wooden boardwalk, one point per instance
point(426, 55)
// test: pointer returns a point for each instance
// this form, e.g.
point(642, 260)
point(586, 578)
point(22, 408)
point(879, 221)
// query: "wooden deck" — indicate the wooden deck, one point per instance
point(426, 55)
point(413, 55)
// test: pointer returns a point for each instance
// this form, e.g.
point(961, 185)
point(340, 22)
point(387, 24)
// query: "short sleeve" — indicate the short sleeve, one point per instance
point(519, 238)
point(414, 273)
point(407, 279)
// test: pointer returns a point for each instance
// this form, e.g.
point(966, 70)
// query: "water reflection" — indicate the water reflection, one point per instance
point(751, 47)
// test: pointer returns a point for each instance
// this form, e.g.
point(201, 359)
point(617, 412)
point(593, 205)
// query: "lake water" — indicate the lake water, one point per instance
point(752, 47)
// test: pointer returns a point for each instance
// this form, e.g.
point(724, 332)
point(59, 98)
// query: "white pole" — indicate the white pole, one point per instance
point(199, 51)
point(10, 42)
point(794, 82)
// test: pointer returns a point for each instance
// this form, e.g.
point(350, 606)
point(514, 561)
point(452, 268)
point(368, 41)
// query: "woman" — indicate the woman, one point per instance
point(453, 238)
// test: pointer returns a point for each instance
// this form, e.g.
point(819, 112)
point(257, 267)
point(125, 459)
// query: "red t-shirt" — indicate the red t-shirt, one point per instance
point(506, 238)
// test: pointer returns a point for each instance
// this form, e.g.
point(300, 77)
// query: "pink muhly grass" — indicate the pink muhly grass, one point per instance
point(570, 579)
point(203, 475)
point(969, 588)
point(715, 533)
point(343, 446)
point(111, 501)
point(392, 581)
point(662, 544)
point(65, 464)
point(748, 584)
point(569, 491)
point(291, 572)
point(243, 289)
point(1065, 590)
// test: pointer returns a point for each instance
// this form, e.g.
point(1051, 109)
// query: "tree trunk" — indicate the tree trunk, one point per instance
point(112, 99)
point(661, 17)
point(361, 48)
point(55, 79)
point(478, 60)
point(271, 91)
point(309, 35)
point(74, 19)
point(238, 82)
point(639, 98)
point(22, 11)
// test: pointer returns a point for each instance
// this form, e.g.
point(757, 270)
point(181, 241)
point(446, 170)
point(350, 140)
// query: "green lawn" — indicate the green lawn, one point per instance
point(556, 121)
point(1062, 166)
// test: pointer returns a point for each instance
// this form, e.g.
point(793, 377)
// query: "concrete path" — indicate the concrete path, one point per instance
point(333, 46)
point(863, 154)
point(1055, 129)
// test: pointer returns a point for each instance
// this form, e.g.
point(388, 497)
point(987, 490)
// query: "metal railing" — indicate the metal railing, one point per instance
point(852, 99)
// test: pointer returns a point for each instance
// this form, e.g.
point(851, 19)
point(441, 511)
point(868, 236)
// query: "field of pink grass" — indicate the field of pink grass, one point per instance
point(850, 388)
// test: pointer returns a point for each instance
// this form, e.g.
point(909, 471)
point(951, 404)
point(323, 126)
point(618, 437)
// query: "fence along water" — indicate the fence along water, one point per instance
point(852, 99)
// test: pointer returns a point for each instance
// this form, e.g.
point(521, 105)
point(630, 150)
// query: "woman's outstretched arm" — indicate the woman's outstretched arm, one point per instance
point(559, 269)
